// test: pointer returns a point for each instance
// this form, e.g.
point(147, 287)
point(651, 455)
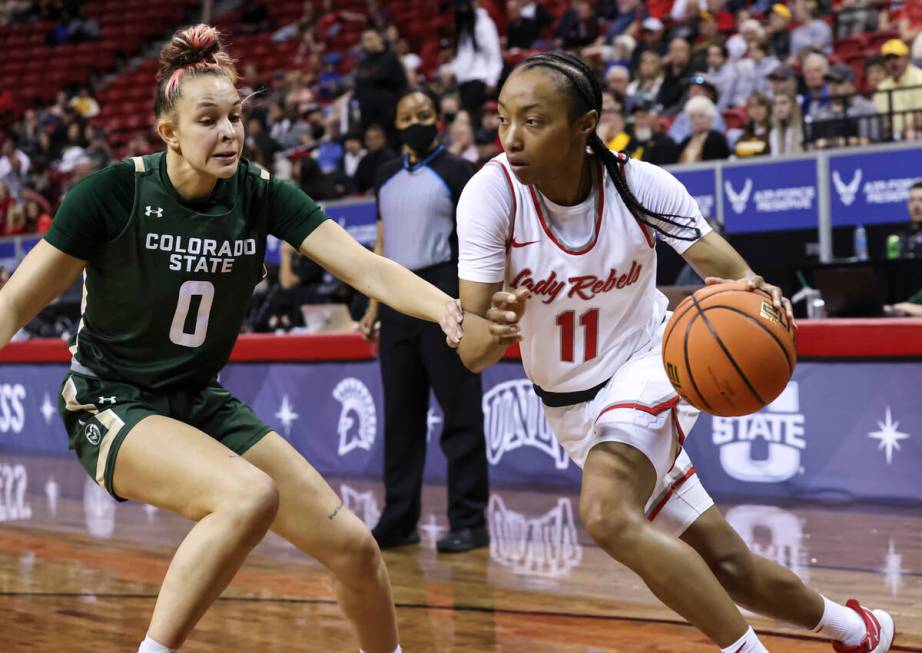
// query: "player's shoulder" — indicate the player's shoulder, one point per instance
point(254, 172)
point(115, 178)
point(387, 170)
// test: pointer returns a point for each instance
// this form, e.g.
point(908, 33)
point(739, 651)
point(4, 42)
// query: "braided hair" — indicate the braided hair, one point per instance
point(585, 93)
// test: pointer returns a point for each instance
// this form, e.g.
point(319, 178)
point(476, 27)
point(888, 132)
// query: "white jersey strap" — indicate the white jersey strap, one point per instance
point(138, 163)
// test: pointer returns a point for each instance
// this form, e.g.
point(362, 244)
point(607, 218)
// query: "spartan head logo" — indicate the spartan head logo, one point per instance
point(847, 192)
point(358, 419)
point(513, 418)
point(534, 545)
point(364, 505)
point(92, 433)
point(738, 200)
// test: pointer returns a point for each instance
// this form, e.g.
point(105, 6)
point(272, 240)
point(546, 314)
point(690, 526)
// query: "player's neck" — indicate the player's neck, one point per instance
point(189, 183)
point(567, 191)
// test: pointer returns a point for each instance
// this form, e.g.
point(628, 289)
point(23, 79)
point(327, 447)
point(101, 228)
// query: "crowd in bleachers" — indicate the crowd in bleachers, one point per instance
point(685, 81)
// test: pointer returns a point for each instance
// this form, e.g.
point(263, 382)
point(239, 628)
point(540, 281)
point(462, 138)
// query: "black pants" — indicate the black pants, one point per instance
point(415, 358)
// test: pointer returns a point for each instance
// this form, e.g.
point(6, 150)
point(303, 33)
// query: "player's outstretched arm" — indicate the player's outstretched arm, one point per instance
point(491, 317)
point(44, 274)
point(382, 279)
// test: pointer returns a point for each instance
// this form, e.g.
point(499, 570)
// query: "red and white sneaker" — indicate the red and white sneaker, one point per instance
point(880, 631)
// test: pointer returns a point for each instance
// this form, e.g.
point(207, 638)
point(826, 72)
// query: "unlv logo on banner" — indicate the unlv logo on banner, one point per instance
point(513, 418)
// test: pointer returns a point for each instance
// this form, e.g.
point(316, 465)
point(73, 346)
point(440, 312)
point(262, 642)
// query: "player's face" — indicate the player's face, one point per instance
point(540, 140)
point(208, 125)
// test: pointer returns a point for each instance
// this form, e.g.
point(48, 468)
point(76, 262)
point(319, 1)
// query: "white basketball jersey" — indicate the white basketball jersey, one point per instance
point(593, 305)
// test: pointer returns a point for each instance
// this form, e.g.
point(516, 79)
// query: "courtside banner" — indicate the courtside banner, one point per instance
point(872, 187)
point(773, 196)
point(846, 431)
point(702, 185)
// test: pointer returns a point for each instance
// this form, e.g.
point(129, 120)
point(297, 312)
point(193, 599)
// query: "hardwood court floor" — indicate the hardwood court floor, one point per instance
point(79, 574)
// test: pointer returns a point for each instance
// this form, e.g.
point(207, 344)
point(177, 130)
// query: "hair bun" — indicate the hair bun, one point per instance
point(189, 46)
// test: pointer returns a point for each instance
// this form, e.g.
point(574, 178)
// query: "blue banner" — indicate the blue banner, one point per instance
point(873, 187)
point(702, 185)
point(358, 217)
point(12, 250)
point(772, 196)
point(840, 430)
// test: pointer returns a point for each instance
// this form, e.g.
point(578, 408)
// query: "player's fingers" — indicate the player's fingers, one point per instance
point(502, 316)
point(712, 281)
point(501, 331)
point(789, 309)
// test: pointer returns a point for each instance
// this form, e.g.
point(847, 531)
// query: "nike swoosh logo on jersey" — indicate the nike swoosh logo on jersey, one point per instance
point(530, 242)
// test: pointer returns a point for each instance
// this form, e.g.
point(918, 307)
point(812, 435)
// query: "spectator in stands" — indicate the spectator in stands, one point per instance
point(450, 106)
point(378, 152)
point(37, 218)
point(678, 70)
point(82, 28)
point(578, 26)
point(787, 134)
point(856, 17)
point(698, 85)
point(649, 79)
point(349, 164)
point(779, 31)
point(85, 104)
point(723, 75)
point(15, 221)
point(651, 40)
point(73, 150)
point(410, 60)
point(478, 60)
point(255, 17)
point(911, 246)
point(260, 146)
point(629, 12)
point(849, 119)
point(903, 99)
point(14, 167)
point(617, 79)
point(6, 202)
point(379, 78)
point(486, 136)
point(98, 148)
point(754, 140)
point(419, 194)
point(813, 33)
point(705, 143)
point(783, 81)
point(647, 142)
point(874, 72)
point(525, 23)
point(909, 25)
point(461, 141)
point(816, 95)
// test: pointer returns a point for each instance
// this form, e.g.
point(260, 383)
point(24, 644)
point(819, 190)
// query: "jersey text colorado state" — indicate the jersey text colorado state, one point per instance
point(201, 254)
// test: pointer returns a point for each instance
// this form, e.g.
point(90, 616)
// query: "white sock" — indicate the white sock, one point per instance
point(841, 624)
point(748, 643)
point(396, 650)
point(151, 646)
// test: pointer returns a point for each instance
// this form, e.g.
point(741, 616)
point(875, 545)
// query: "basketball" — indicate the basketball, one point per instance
point(728, 351)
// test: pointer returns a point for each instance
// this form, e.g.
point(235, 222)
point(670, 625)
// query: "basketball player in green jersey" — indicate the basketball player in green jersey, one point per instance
point(172, 245)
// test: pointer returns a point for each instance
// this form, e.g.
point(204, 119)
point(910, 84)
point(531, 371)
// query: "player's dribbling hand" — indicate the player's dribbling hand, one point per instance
point(756, 282)
point(451, 323)
point(504, 315)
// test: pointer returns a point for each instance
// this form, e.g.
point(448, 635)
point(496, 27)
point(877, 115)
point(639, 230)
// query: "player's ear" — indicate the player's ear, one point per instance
point(167, 132)
point(587, 123)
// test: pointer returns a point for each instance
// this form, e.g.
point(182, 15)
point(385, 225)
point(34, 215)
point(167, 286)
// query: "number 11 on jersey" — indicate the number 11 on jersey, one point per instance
point(589, 321)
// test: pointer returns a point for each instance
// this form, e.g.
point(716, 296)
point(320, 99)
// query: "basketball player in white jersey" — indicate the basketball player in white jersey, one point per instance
point(570, 232)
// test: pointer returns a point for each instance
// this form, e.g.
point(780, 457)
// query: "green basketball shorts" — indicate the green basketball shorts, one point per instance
point(99, 414)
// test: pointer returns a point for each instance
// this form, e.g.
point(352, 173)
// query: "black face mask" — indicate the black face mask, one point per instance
point(449, 116)
point(419, 137)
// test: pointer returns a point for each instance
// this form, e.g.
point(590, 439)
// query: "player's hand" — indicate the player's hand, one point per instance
point(451, 322)
point(756, 282)
point(504, 315)
point(369, 325)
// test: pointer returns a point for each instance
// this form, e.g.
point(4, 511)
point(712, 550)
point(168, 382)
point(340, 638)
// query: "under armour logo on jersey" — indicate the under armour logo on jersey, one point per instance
point(106, 400)
point(149, 211)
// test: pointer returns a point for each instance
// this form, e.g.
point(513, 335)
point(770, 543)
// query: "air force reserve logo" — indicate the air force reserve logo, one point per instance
point(739, 200)
point(847, 192)
point(513, 418)
point(358, 420)
point(764, 447)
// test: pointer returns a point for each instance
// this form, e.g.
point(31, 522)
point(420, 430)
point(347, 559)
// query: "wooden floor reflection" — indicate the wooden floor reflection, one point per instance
point(79, 573)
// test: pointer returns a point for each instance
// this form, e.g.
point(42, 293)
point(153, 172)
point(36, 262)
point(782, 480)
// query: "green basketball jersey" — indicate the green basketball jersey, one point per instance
point(166, 294)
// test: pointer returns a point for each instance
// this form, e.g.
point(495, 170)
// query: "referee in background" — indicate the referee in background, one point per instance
point(416, 197)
